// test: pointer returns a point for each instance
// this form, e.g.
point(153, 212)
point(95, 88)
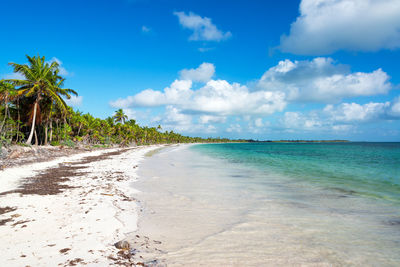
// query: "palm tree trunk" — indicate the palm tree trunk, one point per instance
point(79, 130)
point(58, 130)
point(51, 131)
point(4, 120)
point(19, 118)
point(29, 141)
point(36, 139)
point(45, 133)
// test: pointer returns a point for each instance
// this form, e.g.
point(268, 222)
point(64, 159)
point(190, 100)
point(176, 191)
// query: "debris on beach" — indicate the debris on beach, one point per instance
point(123, 245)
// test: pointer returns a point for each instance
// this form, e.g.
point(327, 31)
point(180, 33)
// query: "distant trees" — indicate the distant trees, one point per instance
point(33, 110)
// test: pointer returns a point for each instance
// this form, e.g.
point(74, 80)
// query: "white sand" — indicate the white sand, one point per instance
point(87, 220)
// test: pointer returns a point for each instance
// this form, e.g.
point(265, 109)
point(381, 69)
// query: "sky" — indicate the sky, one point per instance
point(267, 70)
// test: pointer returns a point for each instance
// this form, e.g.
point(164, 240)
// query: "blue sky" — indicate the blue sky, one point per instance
point(306, 69)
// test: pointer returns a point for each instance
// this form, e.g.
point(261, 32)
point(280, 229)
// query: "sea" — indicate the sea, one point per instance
point(273, 204)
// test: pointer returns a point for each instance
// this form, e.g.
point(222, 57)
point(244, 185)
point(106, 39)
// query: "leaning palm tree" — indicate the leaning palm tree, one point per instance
point(120, 116)
point(41, 80)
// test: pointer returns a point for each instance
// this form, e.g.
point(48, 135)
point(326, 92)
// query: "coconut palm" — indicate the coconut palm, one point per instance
point(41, 80)
point(120, 116)
point(7, 93)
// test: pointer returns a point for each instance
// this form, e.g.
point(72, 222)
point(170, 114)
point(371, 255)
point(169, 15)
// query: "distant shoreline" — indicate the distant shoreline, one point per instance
point(296, 141)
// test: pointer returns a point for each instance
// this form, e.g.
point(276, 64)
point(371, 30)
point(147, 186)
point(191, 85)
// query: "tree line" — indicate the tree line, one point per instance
point(33, 111)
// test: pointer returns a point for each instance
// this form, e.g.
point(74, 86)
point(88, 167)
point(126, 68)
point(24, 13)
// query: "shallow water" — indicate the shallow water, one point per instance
point(215, 205)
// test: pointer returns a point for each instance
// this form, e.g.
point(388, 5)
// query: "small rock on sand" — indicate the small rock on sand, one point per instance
point(122, 245)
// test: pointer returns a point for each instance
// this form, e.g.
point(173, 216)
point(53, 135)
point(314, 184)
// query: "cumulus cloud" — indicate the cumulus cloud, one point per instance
point(211, 119)
point(74, 101)
point(216, 97)
point(202, 27)
point(221, 97)
point(258, 122)
point(256, 125)
point(394, 110)
point(178, 92)
point(234, 128)
point(130, 113)
point(324, 27)
point(174, 119)
point(297, 120)
point(322, 80)
point(353, 112)
point(203, 73)
point(342, 117)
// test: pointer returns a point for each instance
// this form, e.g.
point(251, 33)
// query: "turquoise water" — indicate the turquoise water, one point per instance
point(273, 204)
point(364, 169)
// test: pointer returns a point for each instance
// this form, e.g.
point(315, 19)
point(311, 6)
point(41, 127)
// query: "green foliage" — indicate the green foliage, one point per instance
point(55, 143)
point(23, 144)
point(68, 143)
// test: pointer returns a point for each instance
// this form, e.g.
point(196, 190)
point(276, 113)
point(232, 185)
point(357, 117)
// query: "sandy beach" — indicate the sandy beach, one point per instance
point(72, 210)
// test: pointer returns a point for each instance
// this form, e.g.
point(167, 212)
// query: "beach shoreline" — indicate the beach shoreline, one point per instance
point(72, 210)
point(209, 207)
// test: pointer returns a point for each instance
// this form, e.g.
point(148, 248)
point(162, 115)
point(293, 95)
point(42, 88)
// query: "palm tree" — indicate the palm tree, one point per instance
point(7, 93)
point(41, 80)
point(120, 116)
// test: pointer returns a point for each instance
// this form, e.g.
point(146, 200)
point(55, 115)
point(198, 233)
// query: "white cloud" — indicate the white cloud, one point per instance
point(174, 119)
point(202, 27)
point(178, 92)
point(234, 128)
point(298, 121)
point(216, 97)
point(353, 112)
point(258, 122)
point(321, 80)
point(74, 101)
point(130, 113)
point(202, 74)
point(342, 117)
point(123, 102)
point(213, 119)
point(223, 98)
point(324, 27)
point(394, 110)
point(256, 125)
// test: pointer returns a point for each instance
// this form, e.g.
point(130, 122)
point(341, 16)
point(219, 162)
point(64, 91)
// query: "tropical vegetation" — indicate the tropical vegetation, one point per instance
point(33, 111)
